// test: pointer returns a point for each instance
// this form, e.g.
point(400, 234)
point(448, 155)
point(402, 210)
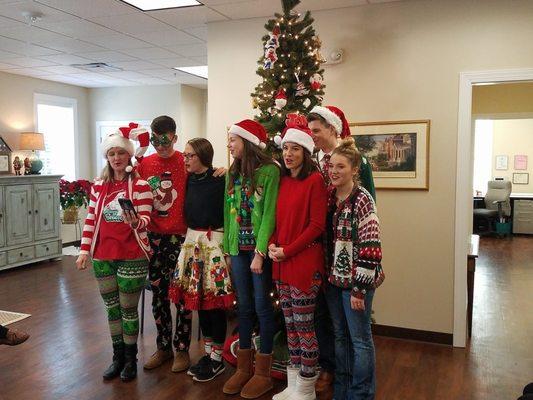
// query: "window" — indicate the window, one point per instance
point(483, 139)
point(56, 119)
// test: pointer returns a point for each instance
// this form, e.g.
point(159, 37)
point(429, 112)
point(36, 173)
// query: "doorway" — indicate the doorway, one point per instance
point(464, 184)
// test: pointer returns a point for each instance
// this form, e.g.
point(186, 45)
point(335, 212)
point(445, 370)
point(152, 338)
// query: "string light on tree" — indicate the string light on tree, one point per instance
point(297, 48)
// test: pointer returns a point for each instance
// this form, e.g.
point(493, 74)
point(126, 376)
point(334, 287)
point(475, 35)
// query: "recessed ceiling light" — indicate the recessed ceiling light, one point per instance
point(150, 5)
point(199, 70)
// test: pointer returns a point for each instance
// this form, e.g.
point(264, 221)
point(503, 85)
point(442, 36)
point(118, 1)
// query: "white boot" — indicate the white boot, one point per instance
point(292, 374)
point(305, 388)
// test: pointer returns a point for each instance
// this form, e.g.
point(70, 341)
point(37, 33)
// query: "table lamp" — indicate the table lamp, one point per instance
point(33, 141)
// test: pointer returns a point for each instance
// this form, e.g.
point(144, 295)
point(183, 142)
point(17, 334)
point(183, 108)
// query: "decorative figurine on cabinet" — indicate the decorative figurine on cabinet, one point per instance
point(27, 166)
point(17, 165)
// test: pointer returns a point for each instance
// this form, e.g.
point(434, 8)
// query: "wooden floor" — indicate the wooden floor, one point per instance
point(69, 345)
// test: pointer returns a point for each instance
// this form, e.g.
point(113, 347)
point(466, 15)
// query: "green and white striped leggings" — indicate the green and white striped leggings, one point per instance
point(121, 283)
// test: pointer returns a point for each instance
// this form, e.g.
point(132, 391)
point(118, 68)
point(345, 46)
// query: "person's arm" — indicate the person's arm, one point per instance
point(90, 220)
point(268, 220)
point(317, 219)
point(227, 216)
point(143, 203)
point(369, 238)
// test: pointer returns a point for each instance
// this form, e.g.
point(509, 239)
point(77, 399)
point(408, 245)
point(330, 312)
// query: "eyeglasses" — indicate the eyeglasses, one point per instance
point(161, 140)
point(189, 156)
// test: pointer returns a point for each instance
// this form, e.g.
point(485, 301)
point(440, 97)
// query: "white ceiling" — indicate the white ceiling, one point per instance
point(146, 45)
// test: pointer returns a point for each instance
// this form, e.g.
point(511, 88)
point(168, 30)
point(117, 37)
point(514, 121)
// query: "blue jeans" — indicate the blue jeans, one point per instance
point(253, 291)
point(355, 372)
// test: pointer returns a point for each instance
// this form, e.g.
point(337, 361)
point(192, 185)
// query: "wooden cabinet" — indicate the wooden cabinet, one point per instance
point(29, 219)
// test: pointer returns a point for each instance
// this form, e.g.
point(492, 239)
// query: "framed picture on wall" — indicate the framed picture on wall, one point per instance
point(520, 178)
point(398, 152)
point(502, 163)
point(520, 162)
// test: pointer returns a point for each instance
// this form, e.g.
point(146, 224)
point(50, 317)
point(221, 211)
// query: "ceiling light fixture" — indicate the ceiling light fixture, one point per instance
point(151, 5)
point(199, 71)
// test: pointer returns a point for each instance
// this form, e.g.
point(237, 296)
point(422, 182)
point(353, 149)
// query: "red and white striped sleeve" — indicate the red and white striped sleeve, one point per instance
point(88, 227)
point(142, 201)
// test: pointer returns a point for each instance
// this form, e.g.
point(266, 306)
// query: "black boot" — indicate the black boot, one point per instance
point(118, 362)
point(129, 372)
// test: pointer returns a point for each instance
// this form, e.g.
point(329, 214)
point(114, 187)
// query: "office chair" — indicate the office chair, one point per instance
point(497, 205)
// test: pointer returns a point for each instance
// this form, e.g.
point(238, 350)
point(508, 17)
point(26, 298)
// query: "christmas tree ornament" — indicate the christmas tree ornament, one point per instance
point(316, 81)
point(306, 103)
point(277, 139)
point(280, 99)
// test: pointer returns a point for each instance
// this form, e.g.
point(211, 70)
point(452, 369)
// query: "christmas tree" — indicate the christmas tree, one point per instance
point(290, 68)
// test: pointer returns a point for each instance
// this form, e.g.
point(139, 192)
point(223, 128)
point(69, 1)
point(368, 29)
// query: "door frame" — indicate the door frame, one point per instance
point(463, 185)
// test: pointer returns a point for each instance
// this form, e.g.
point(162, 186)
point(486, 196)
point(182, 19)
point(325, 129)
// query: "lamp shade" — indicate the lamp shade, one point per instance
point(31, 141)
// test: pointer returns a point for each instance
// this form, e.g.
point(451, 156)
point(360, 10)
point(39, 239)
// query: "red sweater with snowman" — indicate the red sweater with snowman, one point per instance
point(167, 179)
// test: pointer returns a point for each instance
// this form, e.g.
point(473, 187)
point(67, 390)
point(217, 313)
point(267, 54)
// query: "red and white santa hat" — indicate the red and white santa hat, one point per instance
point(296, 131)
point(250, 130)
point(335, 117)
point(123, 138)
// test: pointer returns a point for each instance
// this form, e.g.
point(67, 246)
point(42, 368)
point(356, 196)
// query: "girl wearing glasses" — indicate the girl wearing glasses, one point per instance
point(202, 277)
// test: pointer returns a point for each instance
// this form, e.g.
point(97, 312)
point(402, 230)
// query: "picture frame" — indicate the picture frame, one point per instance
point(520, 162)
point(520, 178)
point(502, 163)
point(398, 152)
point(5, 157)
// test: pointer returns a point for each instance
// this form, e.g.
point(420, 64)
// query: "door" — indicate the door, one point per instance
point(46, 210)
point(19, 214)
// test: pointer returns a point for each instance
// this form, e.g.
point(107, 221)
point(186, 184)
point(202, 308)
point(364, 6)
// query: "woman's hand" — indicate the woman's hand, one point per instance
point(220, 171)
point(276, 253)
point(228, 262)
point(257, 264)
point(81, 261)
point(130, 218)
point(357, 304)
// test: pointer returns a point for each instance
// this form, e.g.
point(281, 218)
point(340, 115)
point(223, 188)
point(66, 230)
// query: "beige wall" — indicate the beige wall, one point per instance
point(193, 112)
point(505, 98)
point(17, 114)
point(402, 61)
point(513, 137)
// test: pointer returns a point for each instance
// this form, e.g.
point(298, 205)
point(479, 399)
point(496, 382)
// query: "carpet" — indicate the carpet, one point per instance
point(8, 317)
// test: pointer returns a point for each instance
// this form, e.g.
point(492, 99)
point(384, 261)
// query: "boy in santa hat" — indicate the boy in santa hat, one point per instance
point(328, 124)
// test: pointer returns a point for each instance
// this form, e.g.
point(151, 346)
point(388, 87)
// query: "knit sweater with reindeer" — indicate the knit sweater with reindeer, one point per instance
point(353, 244)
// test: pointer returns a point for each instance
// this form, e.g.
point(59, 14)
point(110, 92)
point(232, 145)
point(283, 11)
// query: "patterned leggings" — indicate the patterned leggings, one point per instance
point(162, 264)
point(298, 309)
point(121, 283)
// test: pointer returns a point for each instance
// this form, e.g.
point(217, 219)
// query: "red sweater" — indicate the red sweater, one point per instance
point(105, 235)
point(167, 178)
point(300, 220)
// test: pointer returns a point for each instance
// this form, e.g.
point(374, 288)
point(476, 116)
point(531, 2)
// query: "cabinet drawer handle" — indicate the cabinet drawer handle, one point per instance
point(29, 212)
point(36, 211)
point(21, 254)
point(47, 249)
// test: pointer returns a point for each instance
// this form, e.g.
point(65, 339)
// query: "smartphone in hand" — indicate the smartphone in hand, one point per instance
point(126, 205)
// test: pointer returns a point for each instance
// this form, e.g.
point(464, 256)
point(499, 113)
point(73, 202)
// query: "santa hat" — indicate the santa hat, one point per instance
point(296, 131)
point(121, 138)
point(335, 117)
point(250, 130)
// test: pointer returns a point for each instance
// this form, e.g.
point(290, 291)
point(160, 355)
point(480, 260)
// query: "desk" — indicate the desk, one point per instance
point(473, 253)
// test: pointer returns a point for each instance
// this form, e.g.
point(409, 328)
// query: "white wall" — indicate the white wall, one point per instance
point(514, 137)
point(17, 114)
point(402, 62)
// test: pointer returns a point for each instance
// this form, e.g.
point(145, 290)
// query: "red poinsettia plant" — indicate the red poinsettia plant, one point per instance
point(74, 194)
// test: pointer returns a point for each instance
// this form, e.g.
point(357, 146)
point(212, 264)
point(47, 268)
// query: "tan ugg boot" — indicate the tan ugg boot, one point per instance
point(261, 382)
point(182, 362)
point(243, 374)
point(158, 358)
